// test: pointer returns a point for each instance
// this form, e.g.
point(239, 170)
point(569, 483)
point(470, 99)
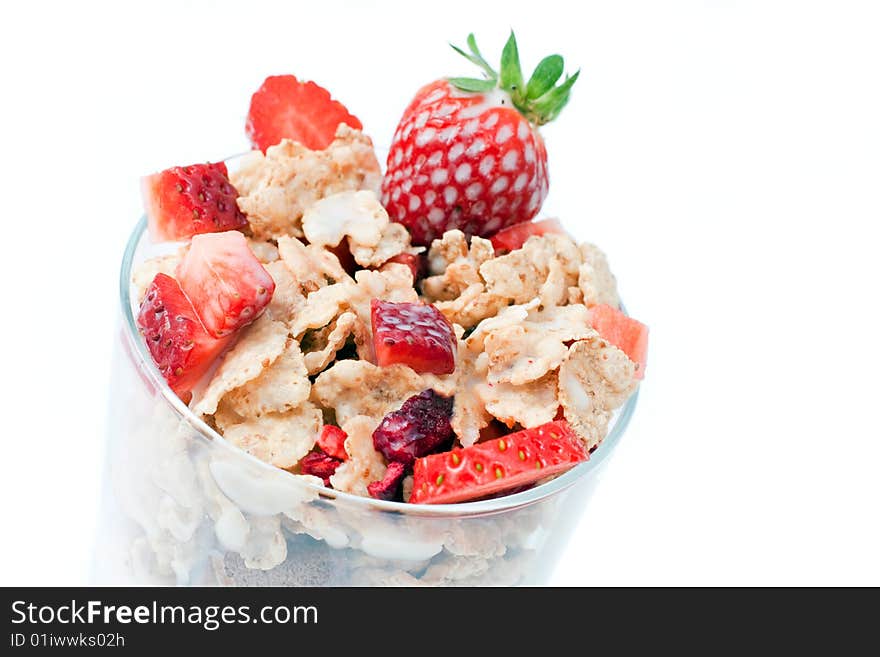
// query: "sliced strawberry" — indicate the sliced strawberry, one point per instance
point(388, 487)
point(625, 333)
point(411, 260)
point(225, 282)
point(184, 201)
point(413, 334)
point(319, 464)
point(332, 441)
point(513, 237)
point(178, 342)
point(516, 460)
point(285, 108)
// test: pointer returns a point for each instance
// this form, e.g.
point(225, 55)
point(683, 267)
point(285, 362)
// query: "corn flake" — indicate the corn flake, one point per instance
point(314, 267)
point(259, 346)
point(357, 387)
point(277, 188)
point(531, 404)
point(280, 439)
point(281, 387)
point(594, 379)
point(595, 278)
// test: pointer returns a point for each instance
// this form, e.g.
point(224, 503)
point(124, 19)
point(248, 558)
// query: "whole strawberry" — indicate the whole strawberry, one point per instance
point(467, 153)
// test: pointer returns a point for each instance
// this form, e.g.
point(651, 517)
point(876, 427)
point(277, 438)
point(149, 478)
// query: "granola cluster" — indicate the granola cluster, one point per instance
point(526, 353)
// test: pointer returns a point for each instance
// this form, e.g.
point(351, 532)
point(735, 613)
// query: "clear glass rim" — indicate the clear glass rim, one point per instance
point(464, 509)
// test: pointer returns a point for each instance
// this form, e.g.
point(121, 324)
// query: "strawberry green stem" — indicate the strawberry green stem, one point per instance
point(540, 99)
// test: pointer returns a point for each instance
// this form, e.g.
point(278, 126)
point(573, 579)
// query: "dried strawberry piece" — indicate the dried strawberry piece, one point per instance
point(420, 427)
point(320, 465)
point(413, 334)
point(332, 441)
point(389, 486)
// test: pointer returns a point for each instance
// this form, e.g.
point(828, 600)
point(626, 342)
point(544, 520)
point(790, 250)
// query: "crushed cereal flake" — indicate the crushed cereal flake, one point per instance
point(595, 278)
point(364, 465)
point(526, 351)
point(594, 379)
point(266, 252)
point(530, 404)
point(357, 387)
point(359, 217)
point(520, 275)
point(288, 298)
point(281, 387)
point(395, 240)
point(314, 267)
point(324, 343)
point(259, 345)
point(277, 188)
point(280, 439)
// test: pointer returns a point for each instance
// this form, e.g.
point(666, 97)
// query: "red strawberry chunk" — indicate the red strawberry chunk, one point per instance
point(227, 285)
point(178, 342)
point(513, 237)
point(503, 464)
point(285, 108)
point(411, 260)
point(419, 427)
point(389, 486)
point(319, 465)
point(625, 333)
point(332, 441)
point(184, 201)
point(414, 334)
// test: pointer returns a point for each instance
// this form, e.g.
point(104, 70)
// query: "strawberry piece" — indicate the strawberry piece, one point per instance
point(180, 346)
point(411, 260)
point(414, 334)
point(319, 465)
point(184, 201)
point(389, 486)
point(227, 285)
point(285, 108)
point(422, 425)
point(513, 237)
point(503, 464)
point(624, 332)
point(332, 441)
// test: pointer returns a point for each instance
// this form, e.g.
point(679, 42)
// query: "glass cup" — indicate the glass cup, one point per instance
point(183, 506)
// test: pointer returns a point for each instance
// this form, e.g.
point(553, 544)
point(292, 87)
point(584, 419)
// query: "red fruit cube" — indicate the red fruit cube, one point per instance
point(332, 441)
point(227, 285)
point(507, 463)
point(319, 464)
point(178, 342)
point(625, 333)
point(388, 487)
point(411, 260)
point(513, 237)
point(184, 201)
point(413, 334)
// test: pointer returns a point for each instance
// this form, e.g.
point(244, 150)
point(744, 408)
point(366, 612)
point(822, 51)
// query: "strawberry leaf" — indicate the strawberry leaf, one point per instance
point(476, 57)
point(548, 71)
point(511, 71)
point(473, 84)
point(547, 107)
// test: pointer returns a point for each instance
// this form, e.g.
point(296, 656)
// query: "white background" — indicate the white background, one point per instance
point(726, 155)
